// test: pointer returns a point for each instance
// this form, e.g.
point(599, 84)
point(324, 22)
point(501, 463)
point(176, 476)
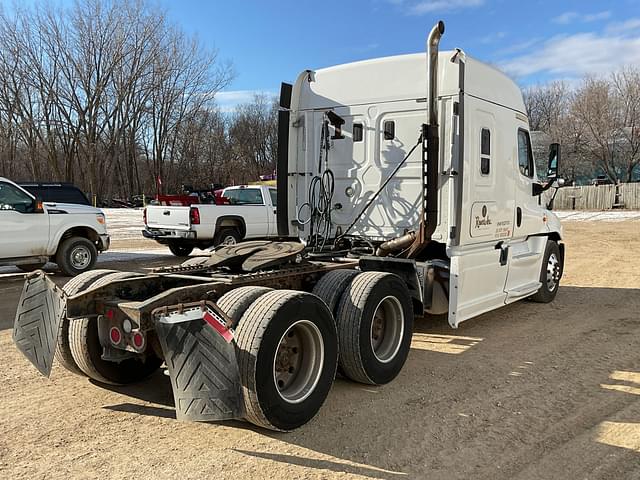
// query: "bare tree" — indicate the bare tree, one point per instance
point(253, 134)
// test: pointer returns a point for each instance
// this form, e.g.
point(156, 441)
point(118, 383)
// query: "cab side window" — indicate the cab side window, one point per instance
point(525, 155)
point(12, 198)
point(274, 196)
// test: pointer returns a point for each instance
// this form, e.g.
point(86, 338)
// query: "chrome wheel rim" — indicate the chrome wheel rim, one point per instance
point(298, 362)
point(387, 329)
point(553, 272)
point(80, 257)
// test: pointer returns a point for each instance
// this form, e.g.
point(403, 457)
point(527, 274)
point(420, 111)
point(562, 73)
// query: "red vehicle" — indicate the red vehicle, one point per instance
point(193, 198)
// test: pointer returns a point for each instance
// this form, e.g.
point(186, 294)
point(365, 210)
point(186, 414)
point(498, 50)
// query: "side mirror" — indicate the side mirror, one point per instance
point(554, 160)
point(38, 206)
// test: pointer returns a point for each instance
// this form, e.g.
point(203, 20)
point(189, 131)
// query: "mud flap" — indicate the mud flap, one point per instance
point(40, 311)
point(202, 365)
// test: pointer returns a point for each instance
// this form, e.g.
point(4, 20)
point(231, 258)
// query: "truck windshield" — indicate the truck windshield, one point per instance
point(244, 196)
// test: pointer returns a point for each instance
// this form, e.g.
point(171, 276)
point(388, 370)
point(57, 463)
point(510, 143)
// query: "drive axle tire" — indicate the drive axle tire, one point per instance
point(235, 302)
point(180, 250)
point(550, 274)
point(76, 255)
point(375, 325)
point(287, 353)
point(332, 285)
point(75, 285)
point(87, 350)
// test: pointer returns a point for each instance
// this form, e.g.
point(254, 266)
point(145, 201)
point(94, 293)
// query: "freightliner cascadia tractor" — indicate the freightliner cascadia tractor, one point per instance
point(406, 188)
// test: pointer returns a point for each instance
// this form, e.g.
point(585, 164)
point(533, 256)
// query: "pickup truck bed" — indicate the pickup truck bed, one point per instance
point(251, 213)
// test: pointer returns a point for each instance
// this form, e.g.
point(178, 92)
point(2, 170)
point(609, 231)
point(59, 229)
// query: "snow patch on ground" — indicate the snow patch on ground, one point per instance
point(124, 223)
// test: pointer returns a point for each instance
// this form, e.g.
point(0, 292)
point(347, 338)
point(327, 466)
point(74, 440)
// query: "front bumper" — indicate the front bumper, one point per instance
point(164, 234)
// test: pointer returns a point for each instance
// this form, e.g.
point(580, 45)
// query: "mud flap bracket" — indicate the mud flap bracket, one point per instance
point(202, 365)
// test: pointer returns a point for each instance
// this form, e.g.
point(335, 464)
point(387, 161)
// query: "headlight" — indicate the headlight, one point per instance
point(100, 219)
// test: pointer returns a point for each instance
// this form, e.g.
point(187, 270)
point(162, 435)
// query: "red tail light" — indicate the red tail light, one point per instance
point(194, 216)
point(115, 335)
point(144, 216)
point(138, 340)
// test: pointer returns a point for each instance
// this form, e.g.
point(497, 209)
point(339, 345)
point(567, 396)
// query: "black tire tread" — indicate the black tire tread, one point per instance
point(349, 326)
point(543, 295)
point(75, 285)
point(235, 302)
point(78, 334)
point(62, 260)
point(332, 285)
point(223, 232)
point(248, 338)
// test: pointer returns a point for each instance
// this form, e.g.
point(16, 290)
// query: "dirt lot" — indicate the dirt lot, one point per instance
point(528, 392)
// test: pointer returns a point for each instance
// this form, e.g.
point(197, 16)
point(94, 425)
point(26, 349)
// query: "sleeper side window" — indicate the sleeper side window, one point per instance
point(485, 151)
point(389, 128)
point(357, 132)
point(525, 155)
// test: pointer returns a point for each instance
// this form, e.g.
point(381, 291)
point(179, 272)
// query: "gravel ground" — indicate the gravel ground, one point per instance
point(525, 392)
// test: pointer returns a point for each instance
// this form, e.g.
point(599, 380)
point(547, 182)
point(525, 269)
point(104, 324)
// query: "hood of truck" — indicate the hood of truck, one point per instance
point(71, 208)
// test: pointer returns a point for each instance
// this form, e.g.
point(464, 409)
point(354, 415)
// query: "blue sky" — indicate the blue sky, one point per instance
point(534, 41)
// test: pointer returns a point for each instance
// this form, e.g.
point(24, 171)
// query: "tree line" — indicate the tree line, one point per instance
point(112, 96)
point(597, 123)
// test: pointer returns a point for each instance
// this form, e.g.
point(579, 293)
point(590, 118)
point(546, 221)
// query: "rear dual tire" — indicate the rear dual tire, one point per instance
point(287, 354)
point(375, 326)
point(86, 349)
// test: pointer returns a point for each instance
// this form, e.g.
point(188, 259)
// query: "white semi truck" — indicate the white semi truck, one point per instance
point(406, 187)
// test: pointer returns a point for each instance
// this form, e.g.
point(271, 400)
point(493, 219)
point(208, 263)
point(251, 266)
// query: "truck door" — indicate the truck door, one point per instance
point(479, 263)
point(526, 247)
point(24, 232)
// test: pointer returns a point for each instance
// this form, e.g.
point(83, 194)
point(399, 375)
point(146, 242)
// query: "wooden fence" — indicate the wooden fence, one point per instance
point(600, 197)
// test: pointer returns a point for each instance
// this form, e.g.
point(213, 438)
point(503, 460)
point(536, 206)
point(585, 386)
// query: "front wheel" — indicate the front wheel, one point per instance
point(550, 274)
point(180, 250)
point(76, 255)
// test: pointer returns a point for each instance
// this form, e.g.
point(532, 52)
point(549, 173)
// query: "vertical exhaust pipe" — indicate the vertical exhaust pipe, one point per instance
point(430, 148)
point(433, 41)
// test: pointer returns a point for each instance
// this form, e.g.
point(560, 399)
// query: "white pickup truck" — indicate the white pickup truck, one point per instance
point(251, 213)
point(34, 233)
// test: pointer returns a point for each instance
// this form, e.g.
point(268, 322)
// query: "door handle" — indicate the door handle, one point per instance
point(518, 216)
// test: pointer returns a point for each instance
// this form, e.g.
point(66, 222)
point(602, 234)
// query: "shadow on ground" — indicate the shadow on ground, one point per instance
point(470, 399)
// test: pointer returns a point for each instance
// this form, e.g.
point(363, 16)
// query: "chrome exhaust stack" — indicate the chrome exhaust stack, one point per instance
point(433, 42)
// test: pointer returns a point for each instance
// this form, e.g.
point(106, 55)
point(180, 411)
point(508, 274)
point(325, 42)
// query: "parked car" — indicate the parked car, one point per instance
point(36, 232)
point(56, 192)
point(250, 213)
